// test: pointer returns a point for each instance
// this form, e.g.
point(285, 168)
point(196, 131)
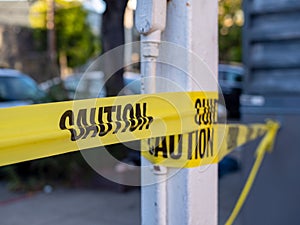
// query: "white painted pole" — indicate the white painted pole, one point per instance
point(192, 24)
point(150, 22)
point(190, 196)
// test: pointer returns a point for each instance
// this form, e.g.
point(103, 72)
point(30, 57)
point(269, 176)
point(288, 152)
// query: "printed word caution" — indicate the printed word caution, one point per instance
point(100, 121)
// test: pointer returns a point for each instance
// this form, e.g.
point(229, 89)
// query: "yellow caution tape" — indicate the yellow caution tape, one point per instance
point(265, 145)
point(237, 135)
point(177, 129)
point(203, 146)
point(187, 150)
point(36, 131)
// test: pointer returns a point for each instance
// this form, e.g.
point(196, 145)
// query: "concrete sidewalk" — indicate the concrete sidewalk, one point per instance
point(101, 206)
point(72, 207)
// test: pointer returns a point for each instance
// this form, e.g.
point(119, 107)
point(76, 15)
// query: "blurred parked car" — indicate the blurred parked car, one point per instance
point(91, 85)
point(86, 85)
point(231, 83)
point(132, 83)
point(18, 89)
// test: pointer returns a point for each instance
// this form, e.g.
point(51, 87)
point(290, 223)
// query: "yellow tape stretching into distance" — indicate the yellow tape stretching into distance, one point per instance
point(177, 129)
point(204, 146)
point(265, 145)
point(36, 131)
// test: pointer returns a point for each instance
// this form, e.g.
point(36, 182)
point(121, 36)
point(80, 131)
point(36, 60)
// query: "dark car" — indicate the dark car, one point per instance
point(231, 82)
point(18, 89)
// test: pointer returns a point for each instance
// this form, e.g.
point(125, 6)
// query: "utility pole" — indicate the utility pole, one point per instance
point(190, 60)
point(50, 24)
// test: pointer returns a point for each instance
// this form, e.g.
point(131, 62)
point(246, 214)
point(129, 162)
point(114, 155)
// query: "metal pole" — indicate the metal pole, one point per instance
point(150, 22)
point(154, 197)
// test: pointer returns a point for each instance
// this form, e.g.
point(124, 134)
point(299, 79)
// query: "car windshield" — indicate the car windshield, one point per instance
point(230, 76)
point(17, 88)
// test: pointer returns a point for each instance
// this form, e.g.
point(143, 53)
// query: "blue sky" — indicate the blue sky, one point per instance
point(95, 5)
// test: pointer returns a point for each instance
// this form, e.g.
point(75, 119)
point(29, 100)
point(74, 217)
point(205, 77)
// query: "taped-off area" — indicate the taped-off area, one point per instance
point(177, 129)
point(36, 131)
point(207, 145)
point(183, 150)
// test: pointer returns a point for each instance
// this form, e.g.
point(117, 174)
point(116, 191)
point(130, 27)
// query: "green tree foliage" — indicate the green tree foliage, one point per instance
point(230, 30)
point(74, 37)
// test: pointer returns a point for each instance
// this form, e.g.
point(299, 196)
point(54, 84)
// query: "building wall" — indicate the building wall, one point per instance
point(17, 47)
point(18, 51)
point(271, 43)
